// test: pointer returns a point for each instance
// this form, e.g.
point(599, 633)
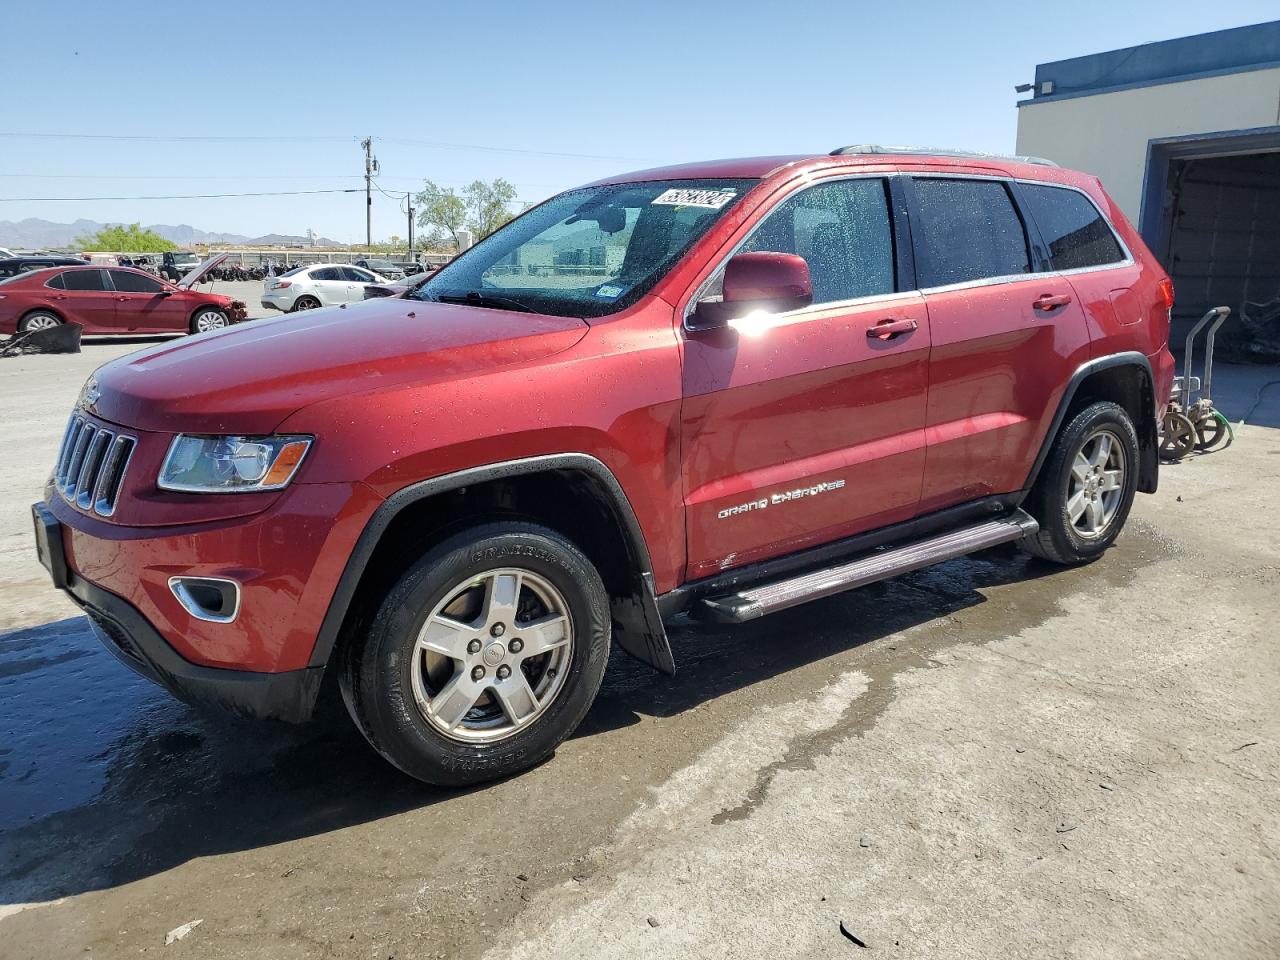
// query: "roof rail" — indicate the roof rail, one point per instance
point(875, 148)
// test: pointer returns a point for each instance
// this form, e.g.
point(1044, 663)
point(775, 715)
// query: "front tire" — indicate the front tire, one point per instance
point(207, 319)
point(483, 658)
point(1086, 488)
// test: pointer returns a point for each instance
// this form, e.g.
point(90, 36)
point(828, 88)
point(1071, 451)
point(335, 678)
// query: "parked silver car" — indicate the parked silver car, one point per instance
point(317, 285)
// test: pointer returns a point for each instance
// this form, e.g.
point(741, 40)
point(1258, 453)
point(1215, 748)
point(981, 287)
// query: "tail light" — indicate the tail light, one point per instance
point(281, 284)
point(1166, 293)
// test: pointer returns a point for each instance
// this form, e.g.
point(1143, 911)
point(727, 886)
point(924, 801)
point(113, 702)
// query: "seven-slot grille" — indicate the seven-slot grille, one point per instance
point(91, 465)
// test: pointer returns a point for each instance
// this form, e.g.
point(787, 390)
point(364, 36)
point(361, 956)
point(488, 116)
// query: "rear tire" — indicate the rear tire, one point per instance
point(38, 320)
point(305, 303)
point(1085, 490)
point(483, 658)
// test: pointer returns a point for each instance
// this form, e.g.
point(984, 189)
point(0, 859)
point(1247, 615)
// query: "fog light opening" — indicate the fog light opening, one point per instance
point(213, 599)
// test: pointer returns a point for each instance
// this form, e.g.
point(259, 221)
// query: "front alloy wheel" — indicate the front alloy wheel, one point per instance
point(207, 320)
point(492, 656)
point(482, 658)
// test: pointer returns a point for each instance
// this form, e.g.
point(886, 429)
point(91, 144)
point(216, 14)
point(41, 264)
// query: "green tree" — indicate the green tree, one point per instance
point(489, 205)
point(124, 239)
point(481, 208)
point(441, 214)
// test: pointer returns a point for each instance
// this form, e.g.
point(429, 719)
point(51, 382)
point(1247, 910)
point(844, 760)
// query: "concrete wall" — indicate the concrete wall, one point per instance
point(1106, 134)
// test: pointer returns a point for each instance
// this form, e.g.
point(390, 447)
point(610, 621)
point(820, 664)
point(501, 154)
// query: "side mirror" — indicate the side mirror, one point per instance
point(773, 282)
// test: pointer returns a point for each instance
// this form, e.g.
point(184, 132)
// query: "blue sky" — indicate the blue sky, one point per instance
point(611, 86)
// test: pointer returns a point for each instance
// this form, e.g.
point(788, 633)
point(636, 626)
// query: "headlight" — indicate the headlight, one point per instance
point(231, 464)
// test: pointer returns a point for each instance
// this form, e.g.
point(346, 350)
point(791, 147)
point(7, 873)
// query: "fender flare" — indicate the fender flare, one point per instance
point(1148, 442)
point(643, 635)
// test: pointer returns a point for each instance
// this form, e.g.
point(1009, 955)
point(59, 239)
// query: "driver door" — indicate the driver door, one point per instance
point(141, 307)
point(356, 280)
point(808, 427)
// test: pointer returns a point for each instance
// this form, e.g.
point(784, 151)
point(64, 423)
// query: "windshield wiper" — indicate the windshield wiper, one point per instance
point(474, 299)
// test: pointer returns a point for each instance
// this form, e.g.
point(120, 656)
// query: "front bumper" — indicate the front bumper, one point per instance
point(127, 635)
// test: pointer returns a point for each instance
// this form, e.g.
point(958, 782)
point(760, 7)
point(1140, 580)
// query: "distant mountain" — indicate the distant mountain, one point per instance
point(36, 234)
point(288, 240)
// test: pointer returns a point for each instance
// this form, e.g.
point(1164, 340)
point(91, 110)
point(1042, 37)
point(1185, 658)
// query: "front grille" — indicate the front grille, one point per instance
point(91, 465)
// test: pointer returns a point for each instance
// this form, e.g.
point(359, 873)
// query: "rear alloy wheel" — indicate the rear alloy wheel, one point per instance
point(306, 303)
point(38, 320)
point(1086, 488)
point(208, 318)
point(483, 658)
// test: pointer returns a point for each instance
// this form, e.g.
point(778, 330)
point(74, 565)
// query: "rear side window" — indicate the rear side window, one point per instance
point(967, 230)
point(127, 282)
point(327, 273)
point(83, 280)
point(55, 282)
point(1076, 233)
point(842, 231)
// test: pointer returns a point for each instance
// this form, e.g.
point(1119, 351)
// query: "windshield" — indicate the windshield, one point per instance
point(185, 258)
point(380, 265)
point(588, 252)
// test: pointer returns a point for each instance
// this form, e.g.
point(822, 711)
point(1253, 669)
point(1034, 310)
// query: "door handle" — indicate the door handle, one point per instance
point(1049, 302)
point(888, 329)
point(122, 299)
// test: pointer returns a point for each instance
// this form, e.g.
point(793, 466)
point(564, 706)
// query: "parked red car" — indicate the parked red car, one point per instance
point(114, 300)
point(723, 389)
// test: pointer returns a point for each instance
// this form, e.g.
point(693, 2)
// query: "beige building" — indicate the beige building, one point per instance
point(1185, 135)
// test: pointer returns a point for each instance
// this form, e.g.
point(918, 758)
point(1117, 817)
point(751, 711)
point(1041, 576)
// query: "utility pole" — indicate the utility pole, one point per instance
point(370, 168)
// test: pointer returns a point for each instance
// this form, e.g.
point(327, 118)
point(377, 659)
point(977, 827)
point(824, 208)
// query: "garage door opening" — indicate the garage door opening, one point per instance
point(1216, 229)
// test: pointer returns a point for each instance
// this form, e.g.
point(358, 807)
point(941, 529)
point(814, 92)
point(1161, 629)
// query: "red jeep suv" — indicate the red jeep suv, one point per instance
point(721, 388)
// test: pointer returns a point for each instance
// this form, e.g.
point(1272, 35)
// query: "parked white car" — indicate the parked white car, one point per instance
point(317, 285)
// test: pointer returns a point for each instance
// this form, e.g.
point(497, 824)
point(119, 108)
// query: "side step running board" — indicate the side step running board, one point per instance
point(752, 602)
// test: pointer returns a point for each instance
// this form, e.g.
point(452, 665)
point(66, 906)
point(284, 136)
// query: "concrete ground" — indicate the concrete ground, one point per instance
point(992, 758)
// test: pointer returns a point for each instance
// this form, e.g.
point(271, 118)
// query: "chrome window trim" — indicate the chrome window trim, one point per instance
point(1027, 181)
point(795, 189)
point(1128, 260)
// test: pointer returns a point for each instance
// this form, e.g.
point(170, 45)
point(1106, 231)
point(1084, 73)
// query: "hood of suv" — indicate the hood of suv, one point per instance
point(249, 378)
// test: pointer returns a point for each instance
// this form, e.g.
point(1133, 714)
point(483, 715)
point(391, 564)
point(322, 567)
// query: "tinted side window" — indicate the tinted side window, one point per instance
point(842, 231)
point(83, 280)
point(967, 230)
point(127, 282)
point(1071, 225)
point(55, 282)
point(360, 276)
point(328, 273)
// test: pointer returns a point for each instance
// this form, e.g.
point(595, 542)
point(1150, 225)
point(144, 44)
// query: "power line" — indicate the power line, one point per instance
point(178, 196)
point(167, 138)
point(440, 145)
point(179, 176)
point(402, 141)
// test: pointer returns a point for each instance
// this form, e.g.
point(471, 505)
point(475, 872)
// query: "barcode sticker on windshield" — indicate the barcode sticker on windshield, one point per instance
point(715, 199)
